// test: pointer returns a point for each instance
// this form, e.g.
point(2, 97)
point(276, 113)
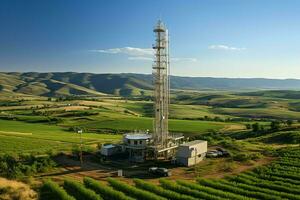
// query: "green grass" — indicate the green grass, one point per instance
point(280, 137)
point(177, 111)
point(9, 144)
point(119, 116)
point(130, 123)
point(142, 107)
point(277, 113)
point(249, 105)
point(111, 115)
point(16, 135)
point(294, 105)
point(192, 111)
point(284, 94)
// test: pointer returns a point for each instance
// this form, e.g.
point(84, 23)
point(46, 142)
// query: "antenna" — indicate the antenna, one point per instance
point(80, 154)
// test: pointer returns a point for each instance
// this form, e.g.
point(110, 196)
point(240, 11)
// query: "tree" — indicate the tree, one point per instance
point(207, 118)
point(255, 127)
point(289, 122)
point(248, 126)
point(218, 119)
point(275, 125)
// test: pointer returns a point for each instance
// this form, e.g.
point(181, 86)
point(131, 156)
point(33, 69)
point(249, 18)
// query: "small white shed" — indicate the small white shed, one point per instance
point(108, 150)
point(191, 153)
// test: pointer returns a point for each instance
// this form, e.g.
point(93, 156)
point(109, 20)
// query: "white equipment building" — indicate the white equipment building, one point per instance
point(191, 153)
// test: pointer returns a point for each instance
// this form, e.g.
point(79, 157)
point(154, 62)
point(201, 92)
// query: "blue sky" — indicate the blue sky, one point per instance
point(217, 38)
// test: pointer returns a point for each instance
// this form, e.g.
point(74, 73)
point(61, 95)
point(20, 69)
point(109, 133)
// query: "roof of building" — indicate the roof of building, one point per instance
point(137, 136)
point(108, 146)
point(194, 142)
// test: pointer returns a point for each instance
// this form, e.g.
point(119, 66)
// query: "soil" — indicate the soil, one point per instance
point(92, 167)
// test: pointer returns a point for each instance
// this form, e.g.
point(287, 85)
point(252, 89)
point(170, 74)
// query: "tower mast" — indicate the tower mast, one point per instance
point(161, 85)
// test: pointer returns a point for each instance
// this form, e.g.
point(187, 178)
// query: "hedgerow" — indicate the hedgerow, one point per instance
point(51, 190)
point(263, 190)
point(278, 186)
point(133, 191)
point(161, 191)
point(105, 191)
point(274, 178)
point(213, 191)
point(78, 190)
point(237, 190)
point(185, 190)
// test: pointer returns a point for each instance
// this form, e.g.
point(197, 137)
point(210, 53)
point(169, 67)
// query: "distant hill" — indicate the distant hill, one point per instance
point(235, 83)
point(285, 94)
point(71, 83)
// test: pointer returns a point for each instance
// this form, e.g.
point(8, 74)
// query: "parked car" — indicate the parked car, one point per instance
point(152, 169)
point(212, 154)
point(159, 171)
point(219, 152)
point(225, 153)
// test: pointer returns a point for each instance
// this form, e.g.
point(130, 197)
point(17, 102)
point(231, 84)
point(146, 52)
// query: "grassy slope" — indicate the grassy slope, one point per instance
point(145, 108)
point(277, 137)
point(284, 94)
point(8, 83)
point(278, 113)
point(127, 115)
point(113, 114)
point(31, 84)
point(69, 83)
point(19, 136)
point(240, 105)
point(134, 84)
point(142, 123)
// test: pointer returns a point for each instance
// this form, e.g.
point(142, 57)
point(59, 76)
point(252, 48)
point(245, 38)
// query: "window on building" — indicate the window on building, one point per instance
point(135, 142)
point(141, 141)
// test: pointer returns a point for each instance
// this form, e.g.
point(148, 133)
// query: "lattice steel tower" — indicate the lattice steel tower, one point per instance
point(161, 85)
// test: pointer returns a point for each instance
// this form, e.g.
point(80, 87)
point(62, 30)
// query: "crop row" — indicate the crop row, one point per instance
point(274, 182)
point(241, 187)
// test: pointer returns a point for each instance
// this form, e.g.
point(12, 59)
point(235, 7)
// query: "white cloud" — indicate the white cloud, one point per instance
point(131, 51)
point(143, 54)
point(172, 59)
point(184, 59)
point(225, 47)
point(140, 58)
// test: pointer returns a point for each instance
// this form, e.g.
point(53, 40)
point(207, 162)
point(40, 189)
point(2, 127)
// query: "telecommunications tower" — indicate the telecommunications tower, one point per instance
point(160, 144)
point(161, 81)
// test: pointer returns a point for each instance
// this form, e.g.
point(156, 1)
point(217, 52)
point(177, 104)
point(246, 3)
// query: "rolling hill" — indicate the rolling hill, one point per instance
point(71, 83)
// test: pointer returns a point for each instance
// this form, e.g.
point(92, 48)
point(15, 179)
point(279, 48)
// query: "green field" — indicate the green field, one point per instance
point(19, 136)
point(39, 125)
point(31, 135)
point(104, 119)
point(265, 104)
point(129, 123)
point(277, 113)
